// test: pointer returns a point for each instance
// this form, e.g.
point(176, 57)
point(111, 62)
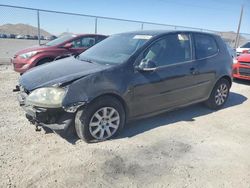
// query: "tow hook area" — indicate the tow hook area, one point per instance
point(38, 129)
point(16, 89)
point(32, 121)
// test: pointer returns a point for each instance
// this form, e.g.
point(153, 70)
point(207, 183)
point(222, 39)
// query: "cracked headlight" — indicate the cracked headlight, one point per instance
point(48, 97)
point(28, 55)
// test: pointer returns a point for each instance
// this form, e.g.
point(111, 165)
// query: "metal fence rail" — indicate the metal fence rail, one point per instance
point(99, 23)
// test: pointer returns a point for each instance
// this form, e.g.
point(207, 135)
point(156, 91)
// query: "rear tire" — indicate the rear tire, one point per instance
point(219, 95)
point(102, 119)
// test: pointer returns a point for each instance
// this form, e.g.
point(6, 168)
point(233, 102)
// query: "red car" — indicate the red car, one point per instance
point(58, 48)
point(241, 68)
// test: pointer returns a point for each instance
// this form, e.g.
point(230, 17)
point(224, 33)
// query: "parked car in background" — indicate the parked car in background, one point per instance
point(46, 38)
point(241, 67)
point(27, 37)
point(35, 37)
point(127, 76)
point(11, 36)
point(31, 37)
point(245, 48)
point(52, 37)
point(20, 37)
point(61, 47)
point(3, 36)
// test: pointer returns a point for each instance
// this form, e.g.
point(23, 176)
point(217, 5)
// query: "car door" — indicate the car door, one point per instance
point(172, 83)
point(206, 55)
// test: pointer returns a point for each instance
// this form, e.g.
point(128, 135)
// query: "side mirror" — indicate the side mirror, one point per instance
point(68, 45)
point(146, 65)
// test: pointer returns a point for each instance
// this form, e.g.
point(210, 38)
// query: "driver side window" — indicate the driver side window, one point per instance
point(87, 42)
point(84, 42)
point(172, 49)
point(76, 43)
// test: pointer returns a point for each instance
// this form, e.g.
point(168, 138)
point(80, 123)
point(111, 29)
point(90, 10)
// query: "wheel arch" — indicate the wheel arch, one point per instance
point(39, 62)
point(226, 77)
point(116, 96)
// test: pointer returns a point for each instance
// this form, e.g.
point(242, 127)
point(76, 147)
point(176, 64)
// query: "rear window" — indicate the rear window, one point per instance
point(247, 45)
point(205, 46)
point(60, 40)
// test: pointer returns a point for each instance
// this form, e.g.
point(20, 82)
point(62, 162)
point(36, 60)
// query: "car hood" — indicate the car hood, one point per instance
point(244, 58)
point(241, 49)
point(58, 72)
point(34, 48)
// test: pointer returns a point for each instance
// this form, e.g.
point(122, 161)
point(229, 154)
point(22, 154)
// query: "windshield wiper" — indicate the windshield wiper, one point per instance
point(87, 60)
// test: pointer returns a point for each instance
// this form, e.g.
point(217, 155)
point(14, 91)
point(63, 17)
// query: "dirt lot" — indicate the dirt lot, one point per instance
point(8, 47)
point(191, 147)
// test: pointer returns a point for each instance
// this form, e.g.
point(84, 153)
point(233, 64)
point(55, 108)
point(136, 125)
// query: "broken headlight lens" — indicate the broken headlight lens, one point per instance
point(48, 97)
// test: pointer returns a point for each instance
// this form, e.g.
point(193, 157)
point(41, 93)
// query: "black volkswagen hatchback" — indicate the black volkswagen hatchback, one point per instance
point(127, 76)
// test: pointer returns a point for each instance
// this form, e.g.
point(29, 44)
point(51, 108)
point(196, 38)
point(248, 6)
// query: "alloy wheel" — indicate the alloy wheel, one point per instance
point(221, 94)
point(104, 123)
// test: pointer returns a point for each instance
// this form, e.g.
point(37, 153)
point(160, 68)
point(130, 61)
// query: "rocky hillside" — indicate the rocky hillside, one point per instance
point(230, 37)
point(21, 29)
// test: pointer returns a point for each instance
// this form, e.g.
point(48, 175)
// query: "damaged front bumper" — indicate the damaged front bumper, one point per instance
point(54, 119)
point(57, 119)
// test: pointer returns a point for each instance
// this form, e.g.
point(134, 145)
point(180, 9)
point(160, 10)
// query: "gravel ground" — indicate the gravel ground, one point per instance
point(191, 147)
point(8, 48)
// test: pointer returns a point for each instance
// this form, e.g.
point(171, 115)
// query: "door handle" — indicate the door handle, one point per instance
point(194, 71)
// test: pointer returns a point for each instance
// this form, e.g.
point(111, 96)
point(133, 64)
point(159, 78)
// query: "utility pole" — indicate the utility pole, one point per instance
point(238, 31)
point(38, 27)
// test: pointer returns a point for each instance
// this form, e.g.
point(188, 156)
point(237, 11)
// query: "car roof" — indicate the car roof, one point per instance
point(160, 32)
point(86, 34)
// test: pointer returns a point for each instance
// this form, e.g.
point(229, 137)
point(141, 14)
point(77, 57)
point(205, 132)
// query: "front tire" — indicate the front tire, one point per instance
point(100, 120)
point(219, 95)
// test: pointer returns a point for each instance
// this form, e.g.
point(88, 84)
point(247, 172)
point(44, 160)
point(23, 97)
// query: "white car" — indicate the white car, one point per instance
point(245, 48)
point(20, 37)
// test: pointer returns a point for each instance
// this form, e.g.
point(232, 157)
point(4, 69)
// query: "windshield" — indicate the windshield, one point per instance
point(59, 40)
point(115, 49)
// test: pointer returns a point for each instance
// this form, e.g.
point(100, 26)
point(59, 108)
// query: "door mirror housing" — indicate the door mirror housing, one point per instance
point(68, 45)
point(146, 65)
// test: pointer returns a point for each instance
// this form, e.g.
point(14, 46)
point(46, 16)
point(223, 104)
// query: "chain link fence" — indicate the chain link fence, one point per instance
point(35, 26)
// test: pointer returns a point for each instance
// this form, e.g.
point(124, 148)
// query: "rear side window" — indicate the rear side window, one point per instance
point(205, 46)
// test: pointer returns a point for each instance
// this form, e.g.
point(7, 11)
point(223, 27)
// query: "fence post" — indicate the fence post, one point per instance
point(95, 25)
point(38, 27)
point(142, 24)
